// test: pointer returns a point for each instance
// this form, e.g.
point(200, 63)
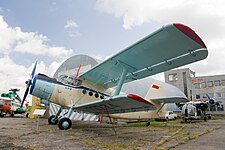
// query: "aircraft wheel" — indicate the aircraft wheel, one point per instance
point(148, 123)
point(205, 119)
point(64, 124)
point(51, 120)
point(209, 117)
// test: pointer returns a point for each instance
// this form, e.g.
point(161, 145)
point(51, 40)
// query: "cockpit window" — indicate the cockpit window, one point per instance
point(70, 80)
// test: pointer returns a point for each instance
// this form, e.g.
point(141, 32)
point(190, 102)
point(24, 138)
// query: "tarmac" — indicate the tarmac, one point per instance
point(21, 133)
point(214, 140)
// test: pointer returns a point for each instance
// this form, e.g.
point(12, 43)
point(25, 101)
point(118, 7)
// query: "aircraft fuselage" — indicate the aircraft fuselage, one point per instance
point(66, 95)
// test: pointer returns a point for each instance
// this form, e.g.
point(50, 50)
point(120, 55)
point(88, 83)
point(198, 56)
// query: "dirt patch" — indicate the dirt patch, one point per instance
point(22, 133)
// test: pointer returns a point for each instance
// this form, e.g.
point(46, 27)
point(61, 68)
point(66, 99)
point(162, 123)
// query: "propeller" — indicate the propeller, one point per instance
point(210, 100)
point(28, 84)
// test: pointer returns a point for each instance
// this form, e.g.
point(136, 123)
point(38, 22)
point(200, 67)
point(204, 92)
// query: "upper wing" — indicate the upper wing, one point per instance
point(117, 104)
point(171, 46)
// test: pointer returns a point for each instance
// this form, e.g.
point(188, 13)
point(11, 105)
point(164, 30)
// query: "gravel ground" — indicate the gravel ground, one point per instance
point(20, 133)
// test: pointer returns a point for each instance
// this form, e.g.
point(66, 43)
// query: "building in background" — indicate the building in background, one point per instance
point(196, 88)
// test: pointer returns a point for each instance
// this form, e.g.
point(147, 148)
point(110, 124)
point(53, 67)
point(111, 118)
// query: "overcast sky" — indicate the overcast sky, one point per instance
point(51, 31)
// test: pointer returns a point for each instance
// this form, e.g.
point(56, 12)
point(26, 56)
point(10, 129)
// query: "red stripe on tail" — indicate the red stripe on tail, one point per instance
point(154, 86)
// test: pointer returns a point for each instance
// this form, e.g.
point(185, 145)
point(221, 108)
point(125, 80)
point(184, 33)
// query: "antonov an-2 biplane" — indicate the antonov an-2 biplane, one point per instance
point(172, 46)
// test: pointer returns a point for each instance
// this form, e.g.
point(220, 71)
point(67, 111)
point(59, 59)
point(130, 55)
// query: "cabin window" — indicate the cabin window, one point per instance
point(70, 80)
point(84, 92)
point(96, 95)
point(90, 93)
point(102, 97)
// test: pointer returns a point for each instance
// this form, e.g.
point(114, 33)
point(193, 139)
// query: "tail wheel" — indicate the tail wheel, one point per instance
point(64, 124)
point(51, 120)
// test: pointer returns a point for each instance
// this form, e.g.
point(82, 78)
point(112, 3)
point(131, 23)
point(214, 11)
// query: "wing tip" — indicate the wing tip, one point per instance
point(190, 33)
point(140, 99)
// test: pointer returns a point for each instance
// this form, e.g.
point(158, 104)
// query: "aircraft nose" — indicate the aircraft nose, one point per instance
point(42, 87)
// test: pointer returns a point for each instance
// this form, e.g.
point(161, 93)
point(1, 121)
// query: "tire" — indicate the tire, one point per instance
point(209, 117)
point(64, 124)
point(148, 123)
point(27, 115)
point(51, 121)
point(205, 119)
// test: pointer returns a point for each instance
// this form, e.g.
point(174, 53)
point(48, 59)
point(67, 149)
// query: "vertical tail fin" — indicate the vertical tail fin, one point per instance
point(164, 93)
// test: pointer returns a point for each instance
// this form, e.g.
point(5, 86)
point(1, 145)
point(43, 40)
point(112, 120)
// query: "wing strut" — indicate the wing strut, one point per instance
point(110, 119)
point(121, 81)
point(157, 113)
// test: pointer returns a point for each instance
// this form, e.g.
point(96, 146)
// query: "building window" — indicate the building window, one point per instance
point(203, 85)
point(223, 82)
point(218, 95)
point(217, 83)
point(172, 77)
point(211, 95)
point(197, 85)
point(210, 83)
point(198, 96)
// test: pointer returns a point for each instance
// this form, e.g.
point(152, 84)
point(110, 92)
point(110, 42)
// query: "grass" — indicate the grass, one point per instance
point(110, 145)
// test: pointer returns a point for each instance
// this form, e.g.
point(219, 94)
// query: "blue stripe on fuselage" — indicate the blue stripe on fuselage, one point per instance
point(62, 84)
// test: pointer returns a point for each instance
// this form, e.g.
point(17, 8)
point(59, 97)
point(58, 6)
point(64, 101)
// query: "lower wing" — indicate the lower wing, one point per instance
point(117, 104)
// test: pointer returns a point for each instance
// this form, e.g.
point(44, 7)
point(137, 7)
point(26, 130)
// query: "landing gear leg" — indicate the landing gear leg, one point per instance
point(53, 119)
point(148, 123)
point(65, 123)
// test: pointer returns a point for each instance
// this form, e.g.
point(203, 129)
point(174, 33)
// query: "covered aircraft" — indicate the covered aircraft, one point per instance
point(196, 109)
point(159, 93)
point(172, 46)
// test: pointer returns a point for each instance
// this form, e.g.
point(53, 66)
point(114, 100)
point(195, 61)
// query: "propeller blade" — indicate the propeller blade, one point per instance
point(33, 71)
point(28, 84)
point(207, 95)
point(25, 95)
